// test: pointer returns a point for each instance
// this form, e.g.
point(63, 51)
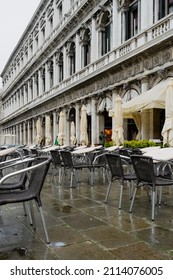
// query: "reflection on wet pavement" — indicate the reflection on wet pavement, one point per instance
point(82, 226)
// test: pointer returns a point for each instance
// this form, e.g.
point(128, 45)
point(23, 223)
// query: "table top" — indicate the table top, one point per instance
point(86, 150)
point(160, 154)
point(7, 151)
point(113, 148)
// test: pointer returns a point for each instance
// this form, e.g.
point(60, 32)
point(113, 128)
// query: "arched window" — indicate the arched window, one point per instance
point(61, 67)
point(72, 56)
point(86, 48)
point(165, 8)
point(105, 33)
point(43, 77)
point(50, 70)
point(132, 19)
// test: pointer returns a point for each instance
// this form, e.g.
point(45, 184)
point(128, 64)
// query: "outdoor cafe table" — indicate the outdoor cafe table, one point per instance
point(113, 148)
point(160, 154)
point(86, 150)
point(51, 148)
point(7, 151)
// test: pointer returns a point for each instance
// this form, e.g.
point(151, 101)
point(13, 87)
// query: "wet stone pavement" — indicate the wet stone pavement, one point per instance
point(82, 227)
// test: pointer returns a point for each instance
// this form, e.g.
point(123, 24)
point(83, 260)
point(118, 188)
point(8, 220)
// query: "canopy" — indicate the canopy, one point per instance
point(167, 131)
point(117, 135)
point(61, 135)
point(153, 98)
point(83, 126)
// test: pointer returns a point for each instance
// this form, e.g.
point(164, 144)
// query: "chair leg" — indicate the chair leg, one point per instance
point(153, 205)
point(71, 178)
point(120, 199)
point(92, 177)
point(24, 208)
point(160, 196)
point(132, 201)
point(28, 213)
point(131, 187)
point(44, 224)
point(108, 191)
point(59, 175)
point(32, 215)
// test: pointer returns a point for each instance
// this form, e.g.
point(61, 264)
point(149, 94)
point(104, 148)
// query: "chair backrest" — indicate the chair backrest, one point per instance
point(34, 151)
point(37, 177)
point(100, 158)
point(115, 165)
point(125, 152)
point(66, 158)
point(144, 169)
point(56, 158)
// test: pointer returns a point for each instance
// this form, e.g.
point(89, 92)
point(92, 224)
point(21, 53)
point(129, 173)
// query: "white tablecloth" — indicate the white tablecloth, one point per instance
point(7, 151)
point(160, 154)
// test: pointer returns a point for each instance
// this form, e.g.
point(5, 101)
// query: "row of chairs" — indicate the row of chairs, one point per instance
point(144, 172)
point(122, 165)
point(64, 160)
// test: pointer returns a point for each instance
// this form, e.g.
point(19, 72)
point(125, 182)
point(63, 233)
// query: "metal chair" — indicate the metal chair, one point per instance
point(37, 176)
point(19, 183)
point(146, 176)
point(99, 163)
point(74, 164)
point(57, 163)
point(115, 163)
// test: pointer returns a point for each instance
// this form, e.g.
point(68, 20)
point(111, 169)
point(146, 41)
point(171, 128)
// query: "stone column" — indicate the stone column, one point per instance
point(145, 115)
point(29, 133)
point(46, 77)
point(24, 133)
point(114, 94)
point(93, 122)
point(55, 73)
point(78, 53)
point(123, 26)
point(20, 134)
point(94, 41)
point(78, 122)
point(17, 134)
point(66, 69)
point(48, 136)
point(55, 127)
point(40, 82)
point(33, 131)
point(66, 127)
point(115, 30)
point(100, 45)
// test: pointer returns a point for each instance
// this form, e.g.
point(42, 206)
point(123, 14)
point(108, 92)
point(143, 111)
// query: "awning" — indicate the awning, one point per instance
point(153, 98)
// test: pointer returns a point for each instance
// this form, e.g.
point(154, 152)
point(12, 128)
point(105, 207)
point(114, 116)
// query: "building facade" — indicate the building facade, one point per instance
point(77, 53)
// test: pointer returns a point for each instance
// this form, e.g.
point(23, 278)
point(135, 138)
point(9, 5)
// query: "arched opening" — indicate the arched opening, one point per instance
point(86, 47)
point(105, 33)
point(72, 55)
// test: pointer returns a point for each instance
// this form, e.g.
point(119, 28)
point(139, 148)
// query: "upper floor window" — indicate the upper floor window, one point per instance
point(165, 8)
point(51, 24)
point(105, 33)
point(86, 48)
point(132, 24)
point(72, 56)
point(61, 67)
point(50, 70)
point(43, 34)
point(60, 11)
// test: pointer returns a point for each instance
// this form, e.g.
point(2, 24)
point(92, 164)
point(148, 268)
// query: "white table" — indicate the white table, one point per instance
point(113, 148)
point(7, 151)
point(86, 150)
point(161, 154)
